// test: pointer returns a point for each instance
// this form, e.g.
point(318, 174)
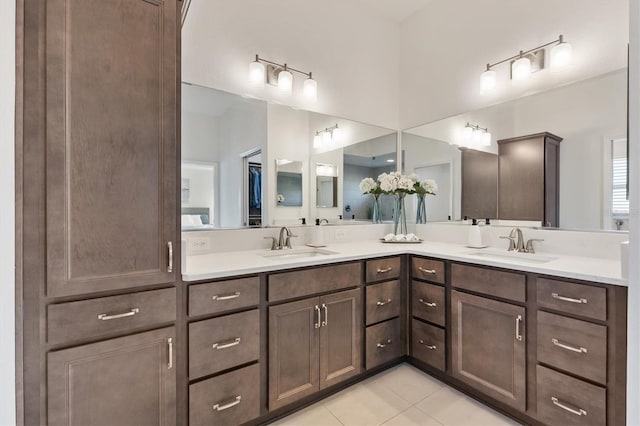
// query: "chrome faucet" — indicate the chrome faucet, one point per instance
point(283, 241)
point(516, 242)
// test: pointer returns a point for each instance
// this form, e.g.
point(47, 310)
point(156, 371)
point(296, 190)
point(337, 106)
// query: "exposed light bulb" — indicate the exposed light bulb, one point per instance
point(256, 73)
point(561, 55)
point(336, 134)
point(486, 139)
point(477, 136)
point(521, 69)
point(285, 81)
point(326, 137)
point(488, 81)
point(317, 141)
point(310, 89)
point(467, 133)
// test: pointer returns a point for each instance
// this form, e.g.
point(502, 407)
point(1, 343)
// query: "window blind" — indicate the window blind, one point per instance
point(619, 202)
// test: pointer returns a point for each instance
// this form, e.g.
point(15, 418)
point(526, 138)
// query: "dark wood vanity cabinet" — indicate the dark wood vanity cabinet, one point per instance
point(479, 175)
point(528, 181)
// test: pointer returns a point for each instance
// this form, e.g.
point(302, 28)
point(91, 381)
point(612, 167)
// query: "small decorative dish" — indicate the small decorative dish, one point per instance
point(401, 242)
point(477, 247)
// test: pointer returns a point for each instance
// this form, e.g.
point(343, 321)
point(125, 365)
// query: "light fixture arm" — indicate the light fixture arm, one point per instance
point(521, 54)
point(283, 66)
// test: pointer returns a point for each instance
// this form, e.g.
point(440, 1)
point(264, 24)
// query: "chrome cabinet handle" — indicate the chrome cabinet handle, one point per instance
point(232, 403)
point(226, 296)
point(430, 347)
point(326, 315)
point(170, 247)
point(382, 303)
point(385, 270)
point(317, 323)
point(427, 271)
point(429, 304)
point(170, 344)
point(226, 343)
point(577, 411)
point(578, 349)
point(582, 300)
point(518, 323)
point(385, 344)
point(107, 317)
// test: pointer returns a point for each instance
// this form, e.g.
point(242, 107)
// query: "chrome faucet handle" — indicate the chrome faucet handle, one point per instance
point(530, 248)
point(274, 242)
point(288, 240)
point(512, 243)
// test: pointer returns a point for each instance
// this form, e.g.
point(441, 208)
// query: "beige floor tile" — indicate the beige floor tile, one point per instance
point(365, 405)
point(412, 417)
point(408, 382)
point(315, 415)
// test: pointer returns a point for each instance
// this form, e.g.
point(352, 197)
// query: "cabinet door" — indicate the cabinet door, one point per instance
point(293, 351)
point(340, 337)
point(125, 381)
point(111, 144)
point(488, 344)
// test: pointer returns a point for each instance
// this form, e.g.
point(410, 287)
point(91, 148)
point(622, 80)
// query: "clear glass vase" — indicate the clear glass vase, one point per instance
point(376, 213)
point(399, 214)
point(421, 212)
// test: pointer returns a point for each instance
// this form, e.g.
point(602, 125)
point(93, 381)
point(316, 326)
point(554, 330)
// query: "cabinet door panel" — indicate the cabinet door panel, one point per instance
point(488, 344)
point(293, 351)
point(340, 337)
point(111, 144)
point(123, 381)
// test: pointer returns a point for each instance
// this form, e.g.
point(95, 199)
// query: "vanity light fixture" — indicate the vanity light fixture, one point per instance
point(473, 134)
point(527, 62)
point(326, 136)
point(280, 75)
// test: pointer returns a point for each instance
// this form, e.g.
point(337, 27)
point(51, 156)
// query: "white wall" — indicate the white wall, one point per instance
point(7, 213)
point(446, 46)
point(352, 52)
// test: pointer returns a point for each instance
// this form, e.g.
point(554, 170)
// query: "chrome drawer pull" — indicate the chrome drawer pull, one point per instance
point(170, 249)
point(226, 296)
point(234, 401)
point(518, 323)
point(581, 301)
point(381, 303)
point(576, 411)
point(107, 317)
point(318, 319)
point(429, 304)
point(427, 271)
point(579, 350)
point(430, 347)
point(385, 270)
point(170, 344)
point(385, 344)
point(326, 315)
point(226, 344)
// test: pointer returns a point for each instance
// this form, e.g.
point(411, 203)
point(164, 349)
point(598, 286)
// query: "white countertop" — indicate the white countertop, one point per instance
point(228, 264)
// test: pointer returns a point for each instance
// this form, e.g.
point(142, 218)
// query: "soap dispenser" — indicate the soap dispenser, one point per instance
point(475, 236)
point(318, 236)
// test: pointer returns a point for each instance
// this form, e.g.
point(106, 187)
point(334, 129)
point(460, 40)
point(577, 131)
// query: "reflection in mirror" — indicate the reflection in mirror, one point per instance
point(590, 118)
point(326, 185)
point(288, 183)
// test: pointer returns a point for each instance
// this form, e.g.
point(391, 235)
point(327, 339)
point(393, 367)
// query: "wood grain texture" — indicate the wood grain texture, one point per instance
point(592, 338)
point(383, 301)
point(204, 359)
point(595, 298)
point(384, 343)
point(428, 344)
point(289, 285)
point(201, 300)
point(123, 381)
point(423, 296)
point(111, 144)
point(428, 269)
point(382, 269)
point(506, 285)
point(479, 172)
point(223, 390)
point(79, 320)
point(485, 351)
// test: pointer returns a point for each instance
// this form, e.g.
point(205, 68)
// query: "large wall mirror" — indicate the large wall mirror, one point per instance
point(249, 163)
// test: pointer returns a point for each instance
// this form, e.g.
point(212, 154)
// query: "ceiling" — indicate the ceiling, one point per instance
point(395, 10)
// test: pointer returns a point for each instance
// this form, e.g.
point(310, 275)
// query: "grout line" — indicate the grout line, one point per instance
point(334, 416)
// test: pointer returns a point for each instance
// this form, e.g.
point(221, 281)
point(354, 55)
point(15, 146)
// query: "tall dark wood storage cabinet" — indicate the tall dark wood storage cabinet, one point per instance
point(528, 178)
point(98, 246)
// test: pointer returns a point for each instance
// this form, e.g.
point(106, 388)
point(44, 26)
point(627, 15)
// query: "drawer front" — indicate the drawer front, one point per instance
point(96, 317)
point(427, 302)
point(577, 299)
point(224, 342)
point(383, 269)
point(427, 269)
point(384, 343)
point(508, 285)
point(563, 400)
point(428, 344)
point(230, 399)
point(575, 346)
point(289, 285)
point(223, 296)
point(383, 301)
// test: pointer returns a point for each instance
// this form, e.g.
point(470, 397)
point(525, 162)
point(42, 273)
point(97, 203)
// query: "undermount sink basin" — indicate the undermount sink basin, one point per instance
point(297, 253)
point(514, 256)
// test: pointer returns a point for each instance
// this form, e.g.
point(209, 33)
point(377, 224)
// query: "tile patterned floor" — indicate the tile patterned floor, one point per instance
point(401, 396)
